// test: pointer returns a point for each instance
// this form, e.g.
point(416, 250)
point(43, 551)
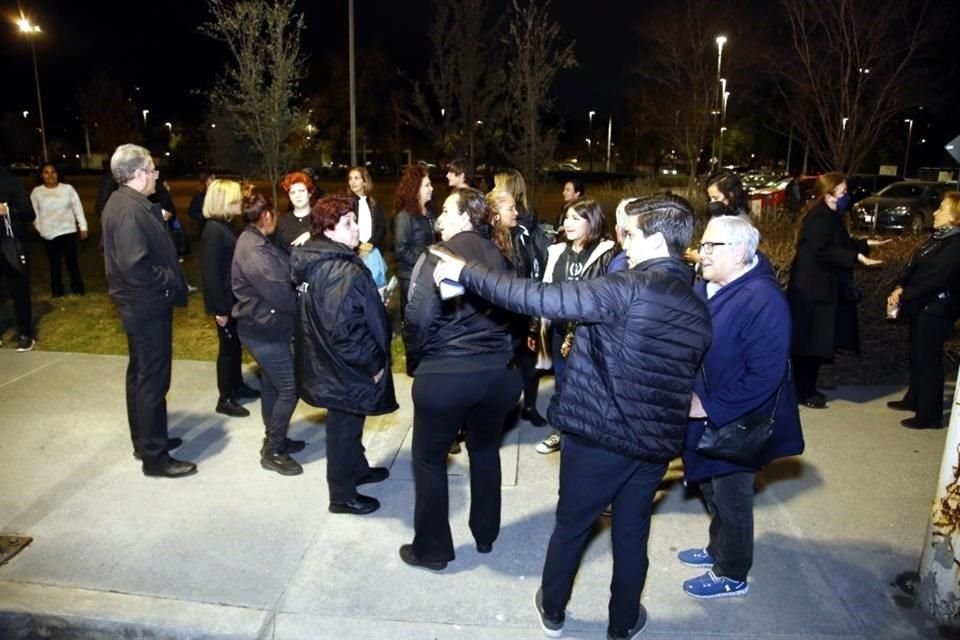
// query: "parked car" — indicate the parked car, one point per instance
point(767, 196)
point(861, 185)
point(902, 206)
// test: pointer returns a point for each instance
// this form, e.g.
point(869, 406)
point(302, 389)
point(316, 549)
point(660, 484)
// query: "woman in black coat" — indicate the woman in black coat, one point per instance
point(342, 347)
point(370, 220)
point(928, 293)
point(220, 204)
point(412, 225)
point(264, 313)
point(465, 379)
point(822, 293)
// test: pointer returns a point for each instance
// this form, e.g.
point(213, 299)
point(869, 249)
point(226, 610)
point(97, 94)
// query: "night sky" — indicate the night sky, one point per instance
point(156, 46)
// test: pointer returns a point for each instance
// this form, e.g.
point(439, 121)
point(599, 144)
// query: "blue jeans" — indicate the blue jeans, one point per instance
point(278, 388)
point(590, 479)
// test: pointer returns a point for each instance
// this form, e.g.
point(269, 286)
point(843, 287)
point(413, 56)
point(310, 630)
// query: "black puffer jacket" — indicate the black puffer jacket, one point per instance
point(342, 334)
point(642, 335)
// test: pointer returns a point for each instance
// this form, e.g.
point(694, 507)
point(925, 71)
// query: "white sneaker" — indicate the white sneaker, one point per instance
point(550, 444)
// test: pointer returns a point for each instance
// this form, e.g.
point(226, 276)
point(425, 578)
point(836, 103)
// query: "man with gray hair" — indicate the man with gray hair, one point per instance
point(145, 282)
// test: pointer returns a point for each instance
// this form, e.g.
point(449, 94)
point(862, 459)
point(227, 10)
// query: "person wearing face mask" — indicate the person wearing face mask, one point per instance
point(726, 197)
point(302, 193)
point(822, 293)
point(928, 293)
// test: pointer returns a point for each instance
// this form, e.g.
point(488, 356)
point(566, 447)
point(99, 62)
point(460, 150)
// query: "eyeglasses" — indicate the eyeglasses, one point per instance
point(706, 248)
point(153, 172)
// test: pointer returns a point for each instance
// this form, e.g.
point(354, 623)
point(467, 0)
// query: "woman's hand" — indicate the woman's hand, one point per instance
point(877, 243)
point(448, 268)
point(868, 262)
point(696, 407)
point(221, 320)
point(83, 234)
point(301, 239)
point(364, 249)
point(894, 297)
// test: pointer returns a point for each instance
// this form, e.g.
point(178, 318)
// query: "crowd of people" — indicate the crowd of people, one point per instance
point(655, 342)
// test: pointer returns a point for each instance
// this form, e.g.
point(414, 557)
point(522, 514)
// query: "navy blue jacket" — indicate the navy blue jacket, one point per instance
point(638, 346)
point(744, 366)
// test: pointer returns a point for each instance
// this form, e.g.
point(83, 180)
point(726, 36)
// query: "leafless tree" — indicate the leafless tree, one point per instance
point(535, 54)
point(679, 100)
point(853, 71)
point(462, 80)
point(259, 85)
point(109, 117)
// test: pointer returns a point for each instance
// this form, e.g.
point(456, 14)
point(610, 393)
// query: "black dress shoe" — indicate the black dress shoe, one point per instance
point(815, 401)
point(246, 392)
point(229, 407)
point(484, 547)
point(917, 423)
point(169, 468)
point(901, 405)
point(376, 474)
point(294, 446)
point(407, 555)
point(282, 463)
point(361, 505)
point(172, 443)
point(533, 417)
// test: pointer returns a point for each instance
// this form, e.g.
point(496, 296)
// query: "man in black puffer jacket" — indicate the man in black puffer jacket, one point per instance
point(640, 339)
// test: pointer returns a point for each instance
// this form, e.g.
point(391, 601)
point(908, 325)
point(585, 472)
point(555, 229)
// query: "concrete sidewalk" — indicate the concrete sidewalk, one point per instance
point(239, 552)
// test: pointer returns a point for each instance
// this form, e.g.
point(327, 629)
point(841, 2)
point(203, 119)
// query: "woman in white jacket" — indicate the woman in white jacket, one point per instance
point(59, 214)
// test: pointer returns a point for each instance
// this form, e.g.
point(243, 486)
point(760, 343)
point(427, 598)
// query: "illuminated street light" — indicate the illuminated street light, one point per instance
point(25, 114)
point(31, 30)
point(721, 40)
point(723, 111)
point(145, 112)
point(169, 126)
point(906, 155)
point(843, 123)
point(589, 151)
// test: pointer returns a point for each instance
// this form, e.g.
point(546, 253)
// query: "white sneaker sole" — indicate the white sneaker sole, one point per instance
point(550, 633)
point(722, 594)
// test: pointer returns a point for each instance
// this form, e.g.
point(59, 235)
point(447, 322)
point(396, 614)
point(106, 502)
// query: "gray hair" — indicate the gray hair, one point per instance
point(622, 212)
point(126, 160)
point(738, 231)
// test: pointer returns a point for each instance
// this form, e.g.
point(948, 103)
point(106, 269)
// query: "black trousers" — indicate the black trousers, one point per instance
point(443, 404)
point(729, 501)
point(59, 250)
point(148, 380)
point(928, 332)
point(806, 369)
point(346, 459)
point(590, 479)
point(278, 387)
point(229, 359)
point(18, 288)
point(527, 361)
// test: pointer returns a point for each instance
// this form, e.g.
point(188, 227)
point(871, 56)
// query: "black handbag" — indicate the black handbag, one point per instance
point(743, 440)
point(11, 248)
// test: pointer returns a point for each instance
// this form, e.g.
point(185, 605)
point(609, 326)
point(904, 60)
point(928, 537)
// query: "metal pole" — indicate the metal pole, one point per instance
point(609, 140)
point(36, 79)
point(906, 155)
point(938, 586)
point(353, 94)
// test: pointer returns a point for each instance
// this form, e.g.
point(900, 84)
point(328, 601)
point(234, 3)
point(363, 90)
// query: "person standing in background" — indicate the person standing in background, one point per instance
point(59, 214)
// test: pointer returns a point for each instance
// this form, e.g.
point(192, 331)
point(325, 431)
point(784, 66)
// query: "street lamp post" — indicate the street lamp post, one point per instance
point(590, 115)
point(721, 87)
point(906, 155)
point(720, 153)
point(31, 30)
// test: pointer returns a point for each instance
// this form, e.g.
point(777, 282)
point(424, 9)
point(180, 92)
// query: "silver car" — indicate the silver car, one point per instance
point(903, 206)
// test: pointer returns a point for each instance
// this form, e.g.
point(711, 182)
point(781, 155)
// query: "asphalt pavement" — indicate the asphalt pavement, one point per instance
point(239, 552)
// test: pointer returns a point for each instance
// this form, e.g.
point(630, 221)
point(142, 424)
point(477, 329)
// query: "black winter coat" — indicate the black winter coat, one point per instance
point(342, 333)
point(642, 335)
point(289, 228)
point(260, 278)
point(931, 280)
point(219, 243)
point(14, 194)
point(822, 293)
point(143, 273)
